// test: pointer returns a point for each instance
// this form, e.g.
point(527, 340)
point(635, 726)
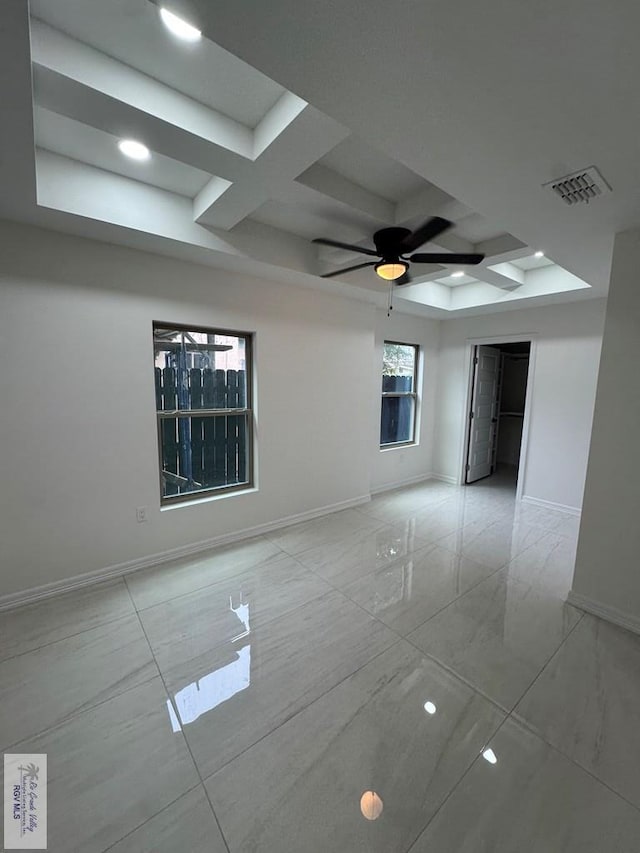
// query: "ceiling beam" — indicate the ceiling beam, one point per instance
point(79, 101)
point(431, 201)
point(90, 193)
point(507, 270)
point(298, 145)
point(333, 185)
point(508, 247)
point(74, 61)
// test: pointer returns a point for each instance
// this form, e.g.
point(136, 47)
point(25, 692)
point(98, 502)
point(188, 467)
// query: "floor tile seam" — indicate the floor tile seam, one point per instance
point(202, 589)
point(455, 787)
point(365, 514)
point(301, 710)
point(515, 580)
point(335, 588)
point(547, 663)
point(182, 734)
point(507, 709)
point(418, 509)
point(406, 637)
point(347, 540)
point(536, 543)
point(454, 600)
point(423, 546)
point(281, 530)
point(267, 622)
point(535, 586)
point(526, 724)
point(81, 711)
point(503, 709)
point(57, 594)
point(149, 819)
point(459, 553)
point(69, 636)
point(430, 507)
point(530, 726)
point(266, 563)
point(215, 816)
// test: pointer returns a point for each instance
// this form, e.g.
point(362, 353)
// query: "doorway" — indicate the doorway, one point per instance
point(497, 413)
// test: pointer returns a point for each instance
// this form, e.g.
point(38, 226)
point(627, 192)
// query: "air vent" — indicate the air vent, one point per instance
point(584, 185)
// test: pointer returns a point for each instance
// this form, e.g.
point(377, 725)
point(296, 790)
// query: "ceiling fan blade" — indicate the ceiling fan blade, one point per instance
point(404, 279)
point(347, 246)
point(426, 232)
point(445, 258)
point(348, 269)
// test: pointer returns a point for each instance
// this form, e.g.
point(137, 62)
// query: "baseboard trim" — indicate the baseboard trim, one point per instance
point(445, 478)
point(604, 611)
point(38, 593)
point(409, 481)
point(570, 510)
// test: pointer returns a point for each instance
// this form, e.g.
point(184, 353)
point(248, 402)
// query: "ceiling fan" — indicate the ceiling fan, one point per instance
point(393, 245)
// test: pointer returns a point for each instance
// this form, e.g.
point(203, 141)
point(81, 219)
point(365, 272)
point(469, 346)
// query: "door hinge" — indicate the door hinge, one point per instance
point(475, 360)
point(468, 467)
point(470, 416)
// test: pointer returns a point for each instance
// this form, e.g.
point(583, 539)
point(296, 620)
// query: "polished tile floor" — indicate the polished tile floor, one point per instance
point(404, 676)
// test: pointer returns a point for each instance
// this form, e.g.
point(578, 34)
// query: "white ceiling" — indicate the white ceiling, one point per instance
point(80, 142)
point(455, 280)
point(532, 263)
point(131, 31)
point(490, 101)
point(362, 164)
point(244, 173)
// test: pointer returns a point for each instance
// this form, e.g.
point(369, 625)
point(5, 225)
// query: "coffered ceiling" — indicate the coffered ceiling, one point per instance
point(243, 172)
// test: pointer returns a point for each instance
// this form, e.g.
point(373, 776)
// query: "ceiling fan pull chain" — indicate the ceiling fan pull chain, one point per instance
point(389, 303)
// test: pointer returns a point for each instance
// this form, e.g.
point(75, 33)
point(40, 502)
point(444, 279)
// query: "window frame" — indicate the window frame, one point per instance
point(209, 492)
point(391, 445)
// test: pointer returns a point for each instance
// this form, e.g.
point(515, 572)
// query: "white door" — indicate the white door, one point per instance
point(484, 413)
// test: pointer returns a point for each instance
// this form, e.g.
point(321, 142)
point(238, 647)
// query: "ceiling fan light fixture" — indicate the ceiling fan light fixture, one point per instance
point(391, 270)
point(395, 251)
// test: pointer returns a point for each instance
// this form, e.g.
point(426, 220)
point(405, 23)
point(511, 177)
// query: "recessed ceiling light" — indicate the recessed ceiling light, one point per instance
point(457, 274)
point(538, 255)
point(178, 27)
point(134, 149)
point(490, 756)
point(429, 707)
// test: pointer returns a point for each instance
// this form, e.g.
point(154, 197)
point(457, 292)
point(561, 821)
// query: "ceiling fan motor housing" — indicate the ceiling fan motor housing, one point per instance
point(387, 241)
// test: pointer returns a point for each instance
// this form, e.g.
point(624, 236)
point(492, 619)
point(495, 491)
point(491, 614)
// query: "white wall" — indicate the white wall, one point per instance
point(398, 465)
point(607, 573)
point(566, 366)
point(78, 449)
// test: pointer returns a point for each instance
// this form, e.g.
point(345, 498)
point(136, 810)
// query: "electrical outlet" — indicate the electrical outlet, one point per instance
point(141, 514)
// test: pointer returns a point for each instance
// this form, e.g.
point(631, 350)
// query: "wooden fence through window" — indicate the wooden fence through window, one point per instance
point(202, 452)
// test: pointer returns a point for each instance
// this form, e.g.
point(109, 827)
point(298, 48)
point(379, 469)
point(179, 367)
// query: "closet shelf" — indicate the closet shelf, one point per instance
point(511, 414)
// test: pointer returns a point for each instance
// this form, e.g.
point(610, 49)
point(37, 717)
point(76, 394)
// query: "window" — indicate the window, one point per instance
point(203, 405)
point(399, 398)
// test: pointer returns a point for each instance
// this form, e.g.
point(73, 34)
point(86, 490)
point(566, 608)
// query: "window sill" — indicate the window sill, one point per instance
point(205, 499)
point(401, 445)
